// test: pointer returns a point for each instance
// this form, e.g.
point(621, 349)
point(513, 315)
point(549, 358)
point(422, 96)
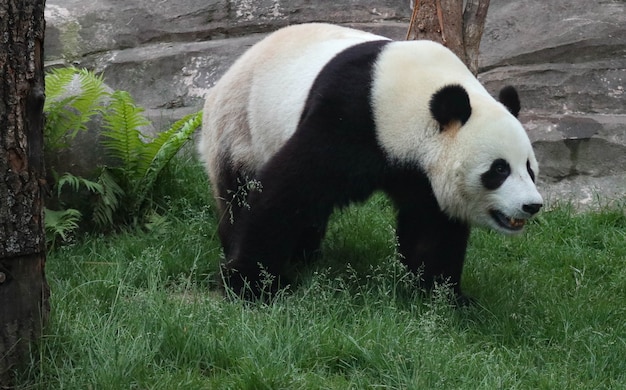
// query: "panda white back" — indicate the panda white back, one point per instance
point(282, 80)
point(270, 82)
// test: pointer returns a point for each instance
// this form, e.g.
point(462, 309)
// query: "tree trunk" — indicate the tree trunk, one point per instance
point(23, 288)
point(446, 22)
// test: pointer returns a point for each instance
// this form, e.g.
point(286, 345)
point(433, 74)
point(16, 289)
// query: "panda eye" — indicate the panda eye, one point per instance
point(530, 171)
point(501, 167)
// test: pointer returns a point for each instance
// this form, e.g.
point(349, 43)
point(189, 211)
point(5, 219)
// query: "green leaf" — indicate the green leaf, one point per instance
point(60, 224)
point(75, 182)
point(110, 199)
point(123, 138)
point(138, 161)
point(56, 82)
point(67, 115)
point(163, 148)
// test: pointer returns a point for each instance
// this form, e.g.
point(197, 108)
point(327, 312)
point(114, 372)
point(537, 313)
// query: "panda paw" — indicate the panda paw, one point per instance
point(253, 286)
point(462, 300)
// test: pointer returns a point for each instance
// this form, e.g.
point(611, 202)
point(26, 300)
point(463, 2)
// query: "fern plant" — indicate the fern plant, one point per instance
point(141, 157)
point(120, 189)
point(109, 201)
point(73, 97)
point(60, 225)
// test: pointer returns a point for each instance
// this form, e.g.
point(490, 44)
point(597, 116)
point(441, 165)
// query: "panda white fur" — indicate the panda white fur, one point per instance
point(322, 116)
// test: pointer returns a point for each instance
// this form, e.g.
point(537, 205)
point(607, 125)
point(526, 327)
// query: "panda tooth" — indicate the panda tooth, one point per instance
point(516, 222)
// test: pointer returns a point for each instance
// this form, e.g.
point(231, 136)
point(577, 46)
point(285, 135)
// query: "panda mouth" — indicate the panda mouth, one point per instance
point(508, 223)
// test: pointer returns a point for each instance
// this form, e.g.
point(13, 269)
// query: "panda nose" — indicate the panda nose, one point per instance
point(532, 208)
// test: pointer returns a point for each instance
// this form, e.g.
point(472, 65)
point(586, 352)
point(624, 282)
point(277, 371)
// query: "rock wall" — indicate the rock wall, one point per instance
point(567, 58)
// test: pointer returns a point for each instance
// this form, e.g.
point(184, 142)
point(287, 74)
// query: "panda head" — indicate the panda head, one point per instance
point(485, 172)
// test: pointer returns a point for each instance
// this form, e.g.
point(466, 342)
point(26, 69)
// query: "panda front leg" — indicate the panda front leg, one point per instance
point(433, 246)
point(309, 242)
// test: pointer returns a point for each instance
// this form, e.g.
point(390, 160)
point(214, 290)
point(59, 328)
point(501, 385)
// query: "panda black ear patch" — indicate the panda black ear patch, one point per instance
point(450, 103)
point(509, 97)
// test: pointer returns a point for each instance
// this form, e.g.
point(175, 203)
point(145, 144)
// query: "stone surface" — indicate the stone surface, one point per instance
point(566, 57)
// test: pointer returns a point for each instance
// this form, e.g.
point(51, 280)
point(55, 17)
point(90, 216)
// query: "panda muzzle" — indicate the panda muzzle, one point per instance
point(506, 222)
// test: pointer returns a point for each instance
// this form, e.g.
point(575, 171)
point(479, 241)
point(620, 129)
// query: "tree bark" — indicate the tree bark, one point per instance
point(447, 22)
point(23, 288)
point(474, 18)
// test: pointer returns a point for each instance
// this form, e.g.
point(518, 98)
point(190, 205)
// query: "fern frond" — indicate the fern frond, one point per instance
point(123, 139)
point(60, 124)
point(109, 201)
point(92, 92)
point(60, 224)
point(57, 81)
point(187, 125)
point(162, 149)
point(75, 182)
point(67, 115)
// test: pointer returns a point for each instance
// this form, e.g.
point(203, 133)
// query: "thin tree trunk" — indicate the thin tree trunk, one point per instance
point(474, 18)
point(446, 22)
point(23, 288)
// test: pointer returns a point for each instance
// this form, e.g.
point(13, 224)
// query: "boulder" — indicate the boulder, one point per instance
point(566, 57)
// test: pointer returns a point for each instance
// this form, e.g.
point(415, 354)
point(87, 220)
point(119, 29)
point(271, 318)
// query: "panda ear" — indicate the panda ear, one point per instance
point(450, 103)
point(509, 97)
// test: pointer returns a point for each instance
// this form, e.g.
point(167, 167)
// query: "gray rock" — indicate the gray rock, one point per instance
point(77, 28)
point(582, 157)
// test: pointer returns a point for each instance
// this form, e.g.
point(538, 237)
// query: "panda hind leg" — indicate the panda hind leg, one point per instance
point(232, 195)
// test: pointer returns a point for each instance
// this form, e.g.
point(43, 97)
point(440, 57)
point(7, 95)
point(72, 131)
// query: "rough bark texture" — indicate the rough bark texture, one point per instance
point(23, 288)
point(474, 18)
point(446, 22)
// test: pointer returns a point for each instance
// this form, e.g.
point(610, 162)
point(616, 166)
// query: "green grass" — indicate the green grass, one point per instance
point(135, 310)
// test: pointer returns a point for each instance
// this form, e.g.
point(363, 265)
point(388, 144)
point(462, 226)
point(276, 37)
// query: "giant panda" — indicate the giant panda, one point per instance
point(317, 116)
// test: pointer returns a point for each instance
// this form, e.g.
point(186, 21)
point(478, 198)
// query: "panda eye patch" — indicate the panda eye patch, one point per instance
point(530, 171)
point(496, 175)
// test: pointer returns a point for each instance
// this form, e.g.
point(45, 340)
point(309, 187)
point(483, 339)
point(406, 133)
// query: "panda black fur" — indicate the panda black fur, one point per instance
point(318, 116)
